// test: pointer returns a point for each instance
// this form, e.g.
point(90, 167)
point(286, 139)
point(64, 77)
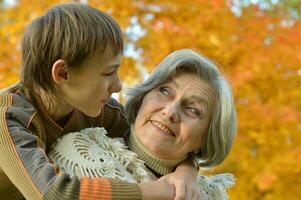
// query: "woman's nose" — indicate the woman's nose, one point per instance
point(172, 111)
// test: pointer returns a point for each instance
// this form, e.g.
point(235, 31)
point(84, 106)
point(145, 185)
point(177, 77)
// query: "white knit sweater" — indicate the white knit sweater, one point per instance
point(91, 153)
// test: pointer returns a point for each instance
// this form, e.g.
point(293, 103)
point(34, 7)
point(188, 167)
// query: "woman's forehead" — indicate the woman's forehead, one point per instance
point(193, 87)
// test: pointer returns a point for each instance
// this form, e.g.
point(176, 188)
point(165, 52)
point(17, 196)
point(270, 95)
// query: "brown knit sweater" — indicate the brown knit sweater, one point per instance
point(26, 134)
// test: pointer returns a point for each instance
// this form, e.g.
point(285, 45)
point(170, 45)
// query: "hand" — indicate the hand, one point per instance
point(184, 179)
point(159, 189)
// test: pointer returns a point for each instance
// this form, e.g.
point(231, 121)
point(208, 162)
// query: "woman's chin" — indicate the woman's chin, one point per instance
point(157, 151)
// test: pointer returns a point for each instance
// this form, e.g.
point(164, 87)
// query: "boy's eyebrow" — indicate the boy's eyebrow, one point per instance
point(115, 65)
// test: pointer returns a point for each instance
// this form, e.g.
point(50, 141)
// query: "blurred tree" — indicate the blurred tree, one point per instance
point(291, 8)
point(259, 51)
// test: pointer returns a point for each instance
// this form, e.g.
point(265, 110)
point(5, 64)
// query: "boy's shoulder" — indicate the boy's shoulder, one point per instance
point(15, 104)
point(13, 95)
point(113, 104)
point(10, 89)
point(113, 119)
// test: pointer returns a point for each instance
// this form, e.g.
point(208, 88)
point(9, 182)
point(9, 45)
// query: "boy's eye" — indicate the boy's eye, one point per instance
point(109, 73)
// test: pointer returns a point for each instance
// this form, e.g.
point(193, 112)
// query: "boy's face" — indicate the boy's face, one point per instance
point(91, 84)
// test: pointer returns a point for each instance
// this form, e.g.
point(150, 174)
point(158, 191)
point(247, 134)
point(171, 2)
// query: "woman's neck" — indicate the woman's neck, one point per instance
point(161, 166)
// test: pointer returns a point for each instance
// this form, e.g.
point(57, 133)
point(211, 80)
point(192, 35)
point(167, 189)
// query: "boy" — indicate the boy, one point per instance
point(70, 60)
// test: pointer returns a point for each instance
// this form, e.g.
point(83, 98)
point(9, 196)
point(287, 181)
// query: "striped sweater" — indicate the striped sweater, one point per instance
point(26, 134)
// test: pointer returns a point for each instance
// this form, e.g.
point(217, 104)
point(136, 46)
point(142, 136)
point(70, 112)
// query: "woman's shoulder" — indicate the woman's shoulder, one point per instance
point(215, 187)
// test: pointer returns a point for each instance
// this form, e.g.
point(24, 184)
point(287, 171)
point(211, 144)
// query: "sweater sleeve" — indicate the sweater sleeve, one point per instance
point(24, 162)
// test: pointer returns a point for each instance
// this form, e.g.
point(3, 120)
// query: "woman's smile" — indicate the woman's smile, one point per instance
point(162, 128)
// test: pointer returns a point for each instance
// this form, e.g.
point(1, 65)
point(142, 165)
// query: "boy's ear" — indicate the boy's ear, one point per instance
point(60, 71)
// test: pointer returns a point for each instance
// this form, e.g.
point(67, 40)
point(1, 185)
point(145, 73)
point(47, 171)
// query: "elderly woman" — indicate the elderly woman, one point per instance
point(185, 108)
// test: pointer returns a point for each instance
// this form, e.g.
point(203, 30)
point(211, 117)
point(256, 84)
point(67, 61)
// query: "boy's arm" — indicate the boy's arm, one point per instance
point(184, 179)
point(24, 162)
point(159, 189)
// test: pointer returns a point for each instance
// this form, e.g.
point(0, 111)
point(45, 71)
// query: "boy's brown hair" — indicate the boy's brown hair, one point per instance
point(71, 32)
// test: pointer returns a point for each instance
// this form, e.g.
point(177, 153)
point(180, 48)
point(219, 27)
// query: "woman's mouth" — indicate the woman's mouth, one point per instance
point(163, 128)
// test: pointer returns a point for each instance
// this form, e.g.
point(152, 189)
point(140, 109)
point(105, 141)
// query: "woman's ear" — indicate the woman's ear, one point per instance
point(60, 71)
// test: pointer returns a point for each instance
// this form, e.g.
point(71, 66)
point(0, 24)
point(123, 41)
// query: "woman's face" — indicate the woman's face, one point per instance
point(173, 118)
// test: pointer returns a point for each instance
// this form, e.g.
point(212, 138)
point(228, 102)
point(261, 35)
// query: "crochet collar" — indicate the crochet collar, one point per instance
point(161, 166)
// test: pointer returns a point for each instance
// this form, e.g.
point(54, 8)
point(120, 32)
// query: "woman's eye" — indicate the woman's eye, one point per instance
point(164, 90)
point(193, 110)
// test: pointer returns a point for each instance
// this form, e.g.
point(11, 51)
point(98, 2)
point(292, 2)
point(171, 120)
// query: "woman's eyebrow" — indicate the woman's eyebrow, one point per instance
point(200, 99)
point(175, 83)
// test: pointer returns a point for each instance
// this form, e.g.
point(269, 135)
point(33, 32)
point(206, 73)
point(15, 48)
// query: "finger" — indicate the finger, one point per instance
point(189, 194)
point(173, 191)
point(180, 190)
point(193, 194)
point(196, 195)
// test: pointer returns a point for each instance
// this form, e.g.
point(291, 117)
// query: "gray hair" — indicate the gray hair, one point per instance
point(223, 124)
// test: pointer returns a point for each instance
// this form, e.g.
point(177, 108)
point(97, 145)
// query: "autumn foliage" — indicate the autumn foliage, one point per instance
point(260, 53)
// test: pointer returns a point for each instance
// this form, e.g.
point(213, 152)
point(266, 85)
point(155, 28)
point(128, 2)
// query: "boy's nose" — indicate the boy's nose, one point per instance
point(116, 86)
